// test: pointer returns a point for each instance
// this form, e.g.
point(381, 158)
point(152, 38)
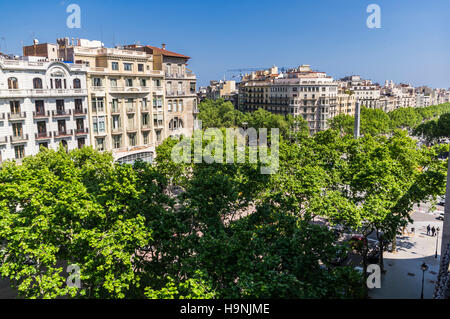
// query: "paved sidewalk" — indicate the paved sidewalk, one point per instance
point(403, 277)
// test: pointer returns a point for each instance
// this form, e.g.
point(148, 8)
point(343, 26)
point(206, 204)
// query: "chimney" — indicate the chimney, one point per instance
point(163, 46)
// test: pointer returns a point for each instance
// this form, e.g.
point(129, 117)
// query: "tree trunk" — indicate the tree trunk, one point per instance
point(394, 245)
point(364, 255)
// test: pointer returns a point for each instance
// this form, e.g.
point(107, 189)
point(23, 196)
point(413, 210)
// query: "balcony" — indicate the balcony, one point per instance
point(41, 114)
point(43, 92)
point(19, 138)
point(17, 116)
point(131, 109)
point(3, 140)
point(132, 129)
point(80, 112)
point(146, 127)
point(62, 134)
point(130, 89)
point(117, 130)
point(81, 131)
point(145, 109)
point(43, 136)
point(158, 90)
point(62, 113)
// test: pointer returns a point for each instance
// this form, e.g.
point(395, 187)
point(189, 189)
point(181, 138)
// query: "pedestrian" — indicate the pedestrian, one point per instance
point(433, 230)
point(428, 230)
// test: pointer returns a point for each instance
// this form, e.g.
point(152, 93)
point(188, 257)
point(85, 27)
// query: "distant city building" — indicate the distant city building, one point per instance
point(299, 92)
point(43, 103)
point(220, 89)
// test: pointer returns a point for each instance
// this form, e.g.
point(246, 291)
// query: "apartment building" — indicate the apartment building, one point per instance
point(346, 100)
point(127, 113)
point(180, 85)
point(226, 90)
point(299, 92)
point(43, 103)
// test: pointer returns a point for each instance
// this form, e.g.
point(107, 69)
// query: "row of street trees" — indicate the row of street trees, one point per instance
point(230, 232)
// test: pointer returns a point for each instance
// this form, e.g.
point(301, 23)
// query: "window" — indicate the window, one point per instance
point(97, 82)
point(140, 67)
point(144, 103)
point(115, 106)
point(19, 151)
point(145, 120)
point(98, 123)
point(81, 142)
point(100, 143)
point(129, 82)
point(116, 122)
point(15, 107)
point(80, 125)
point(78, 106)
point(17, 130)
point(180, 106)
point(157, 83)
point(158, 136)
point(175, 106)
point(132, 139)
point(169, 106)
point(145, 137)
point(97, 105)
point(58, 84)
point(60, 107)
point(117, 141)
point(115, 66)
point(40, 109)
point(13, 84)
point(131, 121)
point(128, 66)
point(77, 84)
point(62, 127)
point(143, 82)
point(42, 128)
point(37, 83)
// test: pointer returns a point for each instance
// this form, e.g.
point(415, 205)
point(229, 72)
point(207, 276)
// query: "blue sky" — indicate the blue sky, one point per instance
point(412, 46)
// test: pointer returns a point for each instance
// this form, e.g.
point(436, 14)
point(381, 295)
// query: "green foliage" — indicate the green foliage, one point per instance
point(218, 114)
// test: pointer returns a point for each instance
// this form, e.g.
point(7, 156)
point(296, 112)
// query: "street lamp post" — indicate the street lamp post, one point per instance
point(437, 241)
point(424, 268)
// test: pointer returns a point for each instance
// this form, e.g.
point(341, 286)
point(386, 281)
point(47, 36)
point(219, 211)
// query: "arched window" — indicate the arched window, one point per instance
point(77, 84)
point(13, 84)
point(37, 83)
point(180, 124)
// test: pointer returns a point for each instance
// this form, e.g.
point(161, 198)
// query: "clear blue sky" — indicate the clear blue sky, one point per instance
point(412, 46)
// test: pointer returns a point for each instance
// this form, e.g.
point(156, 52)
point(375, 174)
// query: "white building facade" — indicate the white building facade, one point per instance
point(42, 104)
